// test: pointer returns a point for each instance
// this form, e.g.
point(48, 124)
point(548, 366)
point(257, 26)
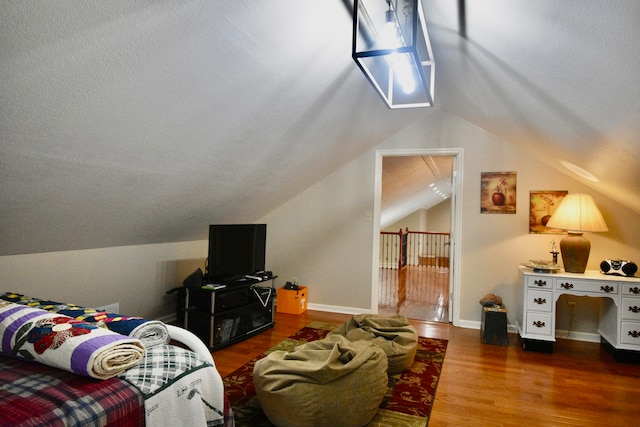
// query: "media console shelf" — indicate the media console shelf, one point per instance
point(619, 318)
point(224, 316)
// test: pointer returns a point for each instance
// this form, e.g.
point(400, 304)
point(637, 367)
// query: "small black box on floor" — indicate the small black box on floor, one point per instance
point(493, 327)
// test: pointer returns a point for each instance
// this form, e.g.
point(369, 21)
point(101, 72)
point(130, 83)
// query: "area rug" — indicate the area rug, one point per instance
point(407, 403)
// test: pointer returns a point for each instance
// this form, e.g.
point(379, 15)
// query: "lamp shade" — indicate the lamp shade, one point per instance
point(392, 48)
point(578, 212)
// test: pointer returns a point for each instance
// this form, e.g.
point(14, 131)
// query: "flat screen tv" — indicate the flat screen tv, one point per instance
point(235, 250)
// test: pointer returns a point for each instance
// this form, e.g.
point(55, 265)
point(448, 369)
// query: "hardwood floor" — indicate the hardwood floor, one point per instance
point(580, 384)
point(424, 296)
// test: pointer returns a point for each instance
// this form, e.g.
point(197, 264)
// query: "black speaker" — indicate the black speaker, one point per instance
point(618, 267)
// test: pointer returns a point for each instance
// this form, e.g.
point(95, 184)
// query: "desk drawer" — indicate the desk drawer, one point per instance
point(539, 282)
point(630, 289)
point(597, 287)
point(630, 333)
point(630, 308)
point(539, 324)
point(539, 300)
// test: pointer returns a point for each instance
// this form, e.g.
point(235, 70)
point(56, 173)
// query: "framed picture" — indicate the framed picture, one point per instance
point(498, 192)
point(542, 205)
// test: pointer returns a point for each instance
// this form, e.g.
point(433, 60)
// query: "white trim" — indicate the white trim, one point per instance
point(337, 309)
point(577, 336)
point(456, 235)
point(168, 318)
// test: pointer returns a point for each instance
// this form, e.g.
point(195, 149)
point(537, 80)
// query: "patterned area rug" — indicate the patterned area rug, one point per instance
point(407, 403)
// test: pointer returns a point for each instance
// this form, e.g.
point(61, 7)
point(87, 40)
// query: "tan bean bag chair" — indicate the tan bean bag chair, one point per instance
point(393, 334)
point(330, 382)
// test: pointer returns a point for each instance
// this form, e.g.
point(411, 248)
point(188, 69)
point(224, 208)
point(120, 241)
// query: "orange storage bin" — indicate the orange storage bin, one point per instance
point(292, 301)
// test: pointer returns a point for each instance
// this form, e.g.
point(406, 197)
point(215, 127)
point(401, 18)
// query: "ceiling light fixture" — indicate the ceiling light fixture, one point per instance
point(392, 48)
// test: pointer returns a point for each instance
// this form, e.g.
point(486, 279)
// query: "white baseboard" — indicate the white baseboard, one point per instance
point(560, 334)
point(578, 336)
point(337, 309)
point(169, 318)
point(468, 324)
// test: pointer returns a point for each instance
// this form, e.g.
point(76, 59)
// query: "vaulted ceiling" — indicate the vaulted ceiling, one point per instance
point(133, 122)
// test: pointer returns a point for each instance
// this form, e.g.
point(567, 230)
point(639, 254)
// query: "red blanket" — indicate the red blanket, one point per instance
point(32, 394)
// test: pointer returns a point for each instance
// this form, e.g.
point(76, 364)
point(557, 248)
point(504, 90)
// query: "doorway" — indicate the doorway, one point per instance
point(410, 187)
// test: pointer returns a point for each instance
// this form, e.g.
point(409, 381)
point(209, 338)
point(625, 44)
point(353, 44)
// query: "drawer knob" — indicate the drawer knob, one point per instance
point(634, 290)
point(566, 285)
point(544, 301)
point(607, 288)
point(634, 334)
point(540, 324)
point(634, 309)
point(540, 282)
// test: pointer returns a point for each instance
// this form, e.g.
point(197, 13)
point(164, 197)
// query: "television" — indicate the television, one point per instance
point(235, 250)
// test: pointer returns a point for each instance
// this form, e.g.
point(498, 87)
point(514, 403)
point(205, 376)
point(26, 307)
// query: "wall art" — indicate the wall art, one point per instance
point(498, 192)
point(542, 205)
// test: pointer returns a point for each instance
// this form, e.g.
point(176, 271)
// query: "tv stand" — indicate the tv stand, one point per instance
point(226, 315)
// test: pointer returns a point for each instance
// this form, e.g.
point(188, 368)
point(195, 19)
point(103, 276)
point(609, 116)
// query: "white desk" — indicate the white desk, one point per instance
point(619, 322)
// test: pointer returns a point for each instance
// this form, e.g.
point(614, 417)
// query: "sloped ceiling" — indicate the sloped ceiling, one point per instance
point(411, 183)
point(134, 122)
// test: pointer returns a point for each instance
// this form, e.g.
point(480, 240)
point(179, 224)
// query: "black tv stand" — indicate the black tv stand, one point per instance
point(221, 315)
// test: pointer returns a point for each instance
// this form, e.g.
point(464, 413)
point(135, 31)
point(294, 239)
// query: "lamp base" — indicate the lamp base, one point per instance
point(575, 250)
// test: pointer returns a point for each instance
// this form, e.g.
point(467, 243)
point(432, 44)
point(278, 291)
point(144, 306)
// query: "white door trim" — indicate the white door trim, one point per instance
point(456, 223)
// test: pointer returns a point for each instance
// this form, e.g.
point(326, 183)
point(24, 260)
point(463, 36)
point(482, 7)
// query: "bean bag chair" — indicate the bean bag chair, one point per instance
point(393, 334)
point(330, 382)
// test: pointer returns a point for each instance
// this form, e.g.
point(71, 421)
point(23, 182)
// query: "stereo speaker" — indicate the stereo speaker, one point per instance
point(618, 267)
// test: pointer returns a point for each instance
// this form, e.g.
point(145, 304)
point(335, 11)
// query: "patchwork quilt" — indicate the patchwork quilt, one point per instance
point(150, 332)
point(65, 343)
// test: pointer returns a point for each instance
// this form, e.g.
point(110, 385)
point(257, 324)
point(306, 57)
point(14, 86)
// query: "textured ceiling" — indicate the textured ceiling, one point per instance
point(410, 183)
point(133, 122)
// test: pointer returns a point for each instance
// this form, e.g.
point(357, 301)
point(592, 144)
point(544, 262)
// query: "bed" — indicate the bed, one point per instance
point(165, 376)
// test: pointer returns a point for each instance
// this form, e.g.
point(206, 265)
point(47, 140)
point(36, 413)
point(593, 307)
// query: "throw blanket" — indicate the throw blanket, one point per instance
point(150, 332)
point(186, 392)
point(66, 343)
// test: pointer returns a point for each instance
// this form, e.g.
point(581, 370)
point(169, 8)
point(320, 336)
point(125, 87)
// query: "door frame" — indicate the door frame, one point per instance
point(456, 222)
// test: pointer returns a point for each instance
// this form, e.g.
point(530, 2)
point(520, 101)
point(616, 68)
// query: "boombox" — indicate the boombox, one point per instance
point(618, 267)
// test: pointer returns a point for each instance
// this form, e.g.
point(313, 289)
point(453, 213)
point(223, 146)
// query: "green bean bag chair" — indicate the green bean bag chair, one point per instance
point(393, 334)
point(330, 382)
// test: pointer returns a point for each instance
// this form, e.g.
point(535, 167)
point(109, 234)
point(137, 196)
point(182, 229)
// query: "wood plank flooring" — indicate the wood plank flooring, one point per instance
point(580, 384)
point(425, 295)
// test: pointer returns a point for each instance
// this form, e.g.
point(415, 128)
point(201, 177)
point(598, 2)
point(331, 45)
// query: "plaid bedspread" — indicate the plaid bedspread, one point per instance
point(171, 387)
point(37, 395)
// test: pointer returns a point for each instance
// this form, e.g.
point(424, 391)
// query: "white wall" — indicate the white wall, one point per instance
point(135, 276)
point(321, 235)
point(439, 217)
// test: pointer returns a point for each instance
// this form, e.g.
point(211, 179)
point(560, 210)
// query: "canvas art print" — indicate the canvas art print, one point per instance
point(542, 205)
point(498, 192)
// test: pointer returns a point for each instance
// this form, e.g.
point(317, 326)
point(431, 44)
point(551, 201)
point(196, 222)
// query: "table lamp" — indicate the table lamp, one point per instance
point(577, 213)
